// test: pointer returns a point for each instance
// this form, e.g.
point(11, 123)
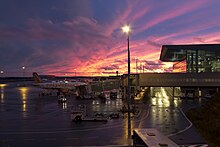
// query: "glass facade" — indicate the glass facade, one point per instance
point(194, 58)
point(202, 61)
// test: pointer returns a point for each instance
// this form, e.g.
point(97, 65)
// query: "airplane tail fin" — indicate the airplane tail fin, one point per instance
point(36, 77)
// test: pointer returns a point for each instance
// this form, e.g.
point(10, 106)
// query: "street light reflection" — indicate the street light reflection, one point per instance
point(126, 124)
point(176, 103)
point(64, 105)
point(3, 85)
point(161, 98)
point(95, 105)
point(164, 106)
point(2, 92)
point(24, 106)
point(107, 105)
point(24, 91)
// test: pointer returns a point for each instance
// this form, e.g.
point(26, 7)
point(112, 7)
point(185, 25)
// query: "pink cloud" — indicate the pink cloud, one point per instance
point(89, 56)
point(172, 13)
point(93, 48)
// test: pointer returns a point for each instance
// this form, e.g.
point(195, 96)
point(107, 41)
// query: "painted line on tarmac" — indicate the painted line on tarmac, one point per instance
point(59, 131)
point(73, 138)
point(195, 145)
point(109, 145)
point(70, 130)
point(93, 137)
point(146, 116)
point(181, 131)
point(52, 139)
point(6, 139)
point(55, 131)
point(29, 139)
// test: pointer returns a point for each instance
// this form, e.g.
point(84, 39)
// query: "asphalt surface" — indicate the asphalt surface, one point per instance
point(27, 119)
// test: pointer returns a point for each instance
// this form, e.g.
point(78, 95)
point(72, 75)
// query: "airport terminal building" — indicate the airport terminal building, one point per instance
point(192, 58)
point(196, 69)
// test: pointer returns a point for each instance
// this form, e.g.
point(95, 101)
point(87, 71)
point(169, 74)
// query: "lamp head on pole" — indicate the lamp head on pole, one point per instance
point(126, 29)
point(23, 67)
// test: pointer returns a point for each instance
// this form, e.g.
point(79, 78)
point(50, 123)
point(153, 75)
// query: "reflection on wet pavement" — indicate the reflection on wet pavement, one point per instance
point(164, 112)
point(2, 86)
point(22, 111)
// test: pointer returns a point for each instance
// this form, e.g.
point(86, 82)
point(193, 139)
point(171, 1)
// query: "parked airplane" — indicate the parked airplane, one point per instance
point(62, 86)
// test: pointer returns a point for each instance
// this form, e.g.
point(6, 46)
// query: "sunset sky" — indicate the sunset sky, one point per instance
point(64, 37)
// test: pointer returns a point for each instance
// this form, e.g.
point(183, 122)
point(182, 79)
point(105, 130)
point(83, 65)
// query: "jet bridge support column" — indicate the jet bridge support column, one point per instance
point(124, 92)
point(173, 93)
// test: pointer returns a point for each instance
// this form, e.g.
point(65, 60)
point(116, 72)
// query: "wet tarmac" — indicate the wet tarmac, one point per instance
point(27, 119)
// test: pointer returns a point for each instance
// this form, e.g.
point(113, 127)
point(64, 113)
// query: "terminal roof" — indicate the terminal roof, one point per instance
point(176, 53)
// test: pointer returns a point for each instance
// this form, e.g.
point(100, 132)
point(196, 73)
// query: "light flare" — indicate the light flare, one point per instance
point(126, 29)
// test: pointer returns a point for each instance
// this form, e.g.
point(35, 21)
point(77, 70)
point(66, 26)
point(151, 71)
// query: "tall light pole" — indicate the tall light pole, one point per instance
point(136, 64)
point(23, 68)
point(75, 72)
point(2, 72)
point(126, 29)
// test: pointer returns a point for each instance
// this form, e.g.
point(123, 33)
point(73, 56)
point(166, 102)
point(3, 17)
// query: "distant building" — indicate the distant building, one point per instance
point(47, 76)
point(192, 58)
